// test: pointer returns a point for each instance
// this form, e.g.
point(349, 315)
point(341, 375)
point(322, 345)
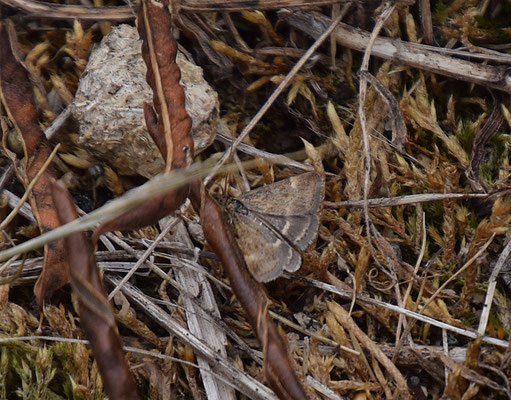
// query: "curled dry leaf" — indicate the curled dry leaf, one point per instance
point(109, 100)
point(18, 101)
point(168, 122)
point(96, 316)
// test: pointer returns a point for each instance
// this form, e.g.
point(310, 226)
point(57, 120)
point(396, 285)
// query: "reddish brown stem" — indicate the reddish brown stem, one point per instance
point(278, 368)
point(96, 317)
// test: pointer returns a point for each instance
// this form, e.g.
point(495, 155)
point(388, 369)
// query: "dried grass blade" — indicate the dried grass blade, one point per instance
point(123, 13)
point(413, 55)
point(347, 322)
point(120, 206)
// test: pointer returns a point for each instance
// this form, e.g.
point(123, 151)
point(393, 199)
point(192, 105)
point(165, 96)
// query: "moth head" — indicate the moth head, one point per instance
point(233, 205)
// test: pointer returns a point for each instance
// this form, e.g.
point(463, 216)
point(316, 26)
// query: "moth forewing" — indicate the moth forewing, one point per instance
point(266, 253)
point(298, 195)
point(291, 206)
point(273, 221)
point(299, 230)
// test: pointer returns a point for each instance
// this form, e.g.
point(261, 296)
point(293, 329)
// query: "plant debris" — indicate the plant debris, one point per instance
point(405, 290)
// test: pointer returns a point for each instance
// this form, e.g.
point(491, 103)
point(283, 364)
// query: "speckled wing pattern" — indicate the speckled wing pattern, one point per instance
point(273, 222)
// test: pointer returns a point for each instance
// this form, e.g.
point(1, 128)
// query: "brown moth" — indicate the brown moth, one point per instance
point(272, 223)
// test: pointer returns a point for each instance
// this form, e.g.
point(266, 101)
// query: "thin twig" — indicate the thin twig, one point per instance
point(386, 13)
point(442, 287)
point(324, 390)
point(58, 122)
point(403, 200)
point(402, 319)
point(245, 383)
point(461, 270)
point(152, 266)
point(492, 283)
point(202, 302)
point(29, 188)
point(142, 259)
point(155, 187)
point(17, 274)
point(193, 266)
point(414, 55)
point(400, 310)
point(278, 159)
point(124, 13)
point(445, 347)
point(426, 20)
point(6, 176)
point(314, 335)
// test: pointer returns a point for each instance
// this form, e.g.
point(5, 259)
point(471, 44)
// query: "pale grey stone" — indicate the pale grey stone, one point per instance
point(109, 99)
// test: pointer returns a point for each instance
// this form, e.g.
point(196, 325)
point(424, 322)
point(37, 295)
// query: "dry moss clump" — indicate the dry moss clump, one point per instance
point(415, 219)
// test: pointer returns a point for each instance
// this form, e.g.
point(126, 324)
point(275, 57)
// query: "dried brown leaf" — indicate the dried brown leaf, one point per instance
point(96, 316)
point(18, 101)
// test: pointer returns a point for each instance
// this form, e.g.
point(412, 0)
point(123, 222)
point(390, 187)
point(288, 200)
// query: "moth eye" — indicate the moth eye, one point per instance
point(239, 207)
point(95, 171)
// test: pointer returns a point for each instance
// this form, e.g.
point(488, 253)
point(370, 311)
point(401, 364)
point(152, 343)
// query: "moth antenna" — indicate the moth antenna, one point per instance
point(228, 177)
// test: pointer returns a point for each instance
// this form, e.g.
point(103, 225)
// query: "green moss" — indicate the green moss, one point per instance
point(496, 152)
point(469, 319)
point(466, 137)
point(441, 12)
point(495, 321)
point(31, 376)
point(434, 212)
point(473, 222)
point(499, 20)
point(41, 371)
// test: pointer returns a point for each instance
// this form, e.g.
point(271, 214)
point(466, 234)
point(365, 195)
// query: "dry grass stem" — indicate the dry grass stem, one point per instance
point(490, 291)
point(157, 186)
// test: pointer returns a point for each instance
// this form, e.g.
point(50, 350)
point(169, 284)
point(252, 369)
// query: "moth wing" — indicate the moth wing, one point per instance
point(299, 230)
point(266, 254)
point(298, 195)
